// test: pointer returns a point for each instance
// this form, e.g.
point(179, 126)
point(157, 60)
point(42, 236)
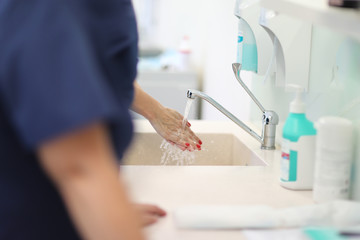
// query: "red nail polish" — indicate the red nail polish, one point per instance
point(187, 144)
point(189, 124)
point(198, 146)
point(200, 142)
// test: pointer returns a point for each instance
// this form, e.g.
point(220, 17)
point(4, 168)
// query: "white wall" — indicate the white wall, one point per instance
point(219, 79)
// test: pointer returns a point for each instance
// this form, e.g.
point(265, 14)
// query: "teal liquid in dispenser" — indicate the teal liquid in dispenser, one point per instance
point(246, 48)
point(298, 147)
point(251, 56)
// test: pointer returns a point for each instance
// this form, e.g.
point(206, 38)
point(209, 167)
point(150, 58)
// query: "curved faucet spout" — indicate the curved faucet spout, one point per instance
point(191, 93)
point(269, 118)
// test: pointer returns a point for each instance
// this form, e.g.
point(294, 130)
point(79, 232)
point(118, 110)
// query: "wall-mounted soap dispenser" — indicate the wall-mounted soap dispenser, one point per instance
point(254, 44)
point(293, 38)
point(262, 32)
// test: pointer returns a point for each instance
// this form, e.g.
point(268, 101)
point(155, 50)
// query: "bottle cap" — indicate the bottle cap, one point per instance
point(297, 105)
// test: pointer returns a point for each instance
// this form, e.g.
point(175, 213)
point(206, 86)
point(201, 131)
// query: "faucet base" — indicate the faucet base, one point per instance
point(268, 148)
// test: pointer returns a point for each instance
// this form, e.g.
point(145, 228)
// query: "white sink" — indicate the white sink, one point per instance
point(217, 149)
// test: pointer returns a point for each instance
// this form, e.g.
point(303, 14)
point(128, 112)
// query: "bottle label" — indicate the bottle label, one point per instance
point(285, 160)
point(288, 162)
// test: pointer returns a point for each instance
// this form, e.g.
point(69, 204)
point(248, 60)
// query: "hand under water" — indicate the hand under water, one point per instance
point(168, 124)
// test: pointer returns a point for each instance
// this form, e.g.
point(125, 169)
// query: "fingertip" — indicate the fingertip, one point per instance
point(200, 142)
point(162, 213)
point(159, 211)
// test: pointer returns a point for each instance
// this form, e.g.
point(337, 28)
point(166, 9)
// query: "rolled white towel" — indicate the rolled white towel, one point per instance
point(335, 214)
point(226, 217)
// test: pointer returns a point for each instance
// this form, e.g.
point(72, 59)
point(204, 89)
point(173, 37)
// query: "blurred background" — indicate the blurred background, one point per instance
point(190, 44)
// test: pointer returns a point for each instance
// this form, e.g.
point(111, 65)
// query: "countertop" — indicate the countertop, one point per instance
point(171, 187)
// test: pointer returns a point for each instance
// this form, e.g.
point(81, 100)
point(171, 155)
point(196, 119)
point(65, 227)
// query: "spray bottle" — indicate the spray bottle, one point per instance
point(298, 147)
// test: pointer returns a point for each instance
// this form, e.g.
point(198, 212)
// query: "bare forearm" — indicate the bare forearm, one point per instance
point(100, 209)
point(144, 104)
point(82, 165)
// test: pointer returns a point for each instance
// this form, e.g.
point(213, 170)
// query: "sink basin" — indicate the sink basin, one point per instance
point(217, 149)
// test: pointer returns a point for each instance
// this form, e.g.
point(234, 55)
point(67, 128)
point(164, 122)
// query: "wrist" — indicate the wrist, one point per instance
point(154, 111)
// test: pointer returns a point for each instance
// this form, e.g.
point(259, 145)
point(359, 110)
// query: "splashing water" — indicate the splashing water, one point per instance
point(171, 153)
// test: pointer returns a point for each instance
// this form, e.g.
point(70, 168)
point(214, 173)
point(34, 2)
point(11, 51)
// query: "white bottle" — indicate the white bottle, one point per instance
point(355, 179)
point(185, 52)
point(334, 154)
point(298, 150)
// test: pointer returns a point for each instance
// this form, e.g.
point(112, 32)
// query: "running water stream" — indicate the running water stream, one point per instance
point(173, 155)
point(186, 113)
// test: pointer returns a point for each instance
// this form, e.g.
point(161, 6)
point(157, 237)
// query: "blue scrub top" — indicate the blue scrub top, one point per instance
point(64, 64)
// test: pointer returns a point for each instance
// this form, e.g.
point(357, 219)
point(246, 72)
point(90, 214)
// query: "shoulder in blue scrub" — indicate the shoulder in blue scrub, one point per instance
point(63, 64)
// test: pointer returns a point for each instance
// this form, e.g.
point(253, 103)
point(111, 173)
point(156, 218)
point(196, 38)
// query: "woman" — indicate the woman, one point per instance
point(66, 83)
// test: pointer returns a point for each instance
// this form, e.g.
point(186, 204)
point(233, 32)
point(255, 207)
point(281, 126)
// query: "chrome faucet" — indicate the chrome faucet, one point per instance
point(269, 118)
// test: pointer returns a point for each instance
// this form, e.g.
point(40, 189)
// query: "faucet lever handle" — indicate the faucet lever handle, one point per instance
point(236, 68)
